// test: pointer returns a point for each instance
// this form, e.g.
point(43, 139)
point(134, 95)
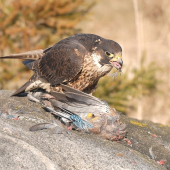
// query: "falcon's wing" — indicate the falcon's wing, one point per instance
point(62, 63)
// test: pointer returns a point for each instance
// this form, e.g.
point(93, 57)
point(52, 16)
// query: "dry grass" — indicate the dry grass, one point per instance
point(37, 25)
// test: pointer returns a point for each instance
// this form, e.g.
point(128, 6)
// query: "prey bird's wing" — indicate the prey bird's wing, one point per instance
point(76, 97)
point(76, 107)
point(78, 92)
point(81, 98)
point(77, 101)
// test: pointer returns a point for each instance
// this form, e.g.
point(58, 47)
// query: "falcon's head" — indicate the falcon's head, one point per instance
point(107, 52)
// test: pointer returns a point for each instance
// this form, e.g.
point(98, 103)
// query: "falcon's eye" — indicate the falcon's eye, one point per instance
point(109, 54)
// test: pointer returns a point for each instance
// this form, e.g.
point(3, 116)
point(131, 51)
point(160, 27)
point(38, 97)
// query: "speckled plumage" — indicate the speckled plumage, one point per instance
point(78, 61)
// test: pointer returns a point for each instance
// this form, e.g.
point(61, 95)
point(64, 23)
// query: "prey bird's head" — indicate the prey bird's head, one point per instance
point(110, 52)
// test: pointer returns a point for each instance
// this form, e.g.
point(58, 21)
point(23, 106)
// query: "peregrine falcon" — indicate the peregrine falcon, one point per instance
point(78, 61)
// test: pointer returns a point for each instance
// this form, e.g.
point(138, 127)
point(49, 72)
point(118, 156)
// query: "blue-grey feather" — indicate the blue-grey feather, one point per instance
point(80, 123)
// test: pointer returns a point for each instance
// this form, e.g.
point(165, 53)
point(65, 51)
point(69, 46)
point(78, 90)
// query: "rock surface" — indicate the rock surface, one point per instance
point(48, 150)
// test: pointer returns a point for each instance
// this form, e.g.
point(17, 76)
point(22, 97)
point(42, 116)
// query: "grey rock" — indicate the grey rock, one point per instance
point(46, 150)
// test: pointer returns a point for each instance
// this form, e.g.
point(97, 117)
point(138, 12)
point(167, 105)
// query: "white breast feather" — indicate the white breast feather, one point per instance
point(96, 59)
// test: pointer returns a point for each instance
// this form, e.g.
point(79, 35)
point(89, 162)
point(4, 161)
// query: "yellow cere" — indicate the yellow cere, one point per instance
point(117, 57)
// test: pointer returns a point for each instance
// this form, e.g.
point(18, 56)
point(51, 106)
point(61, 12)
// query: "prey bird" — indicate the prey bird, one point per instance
point(78, 61)
point(89, 113)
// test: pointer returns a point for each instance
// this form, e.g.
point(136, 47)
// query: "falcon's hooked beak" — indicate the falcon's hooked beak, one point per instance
point(117, 61)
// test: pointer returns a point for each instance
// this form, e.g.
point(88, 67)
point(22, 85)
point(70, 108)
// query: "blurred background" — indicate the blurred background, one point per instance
point(141, 27)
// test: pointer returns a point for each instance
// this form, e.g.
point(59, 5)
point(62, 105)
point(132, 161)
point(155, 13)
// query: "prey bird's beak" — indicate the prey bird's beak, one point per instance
point(117, 61)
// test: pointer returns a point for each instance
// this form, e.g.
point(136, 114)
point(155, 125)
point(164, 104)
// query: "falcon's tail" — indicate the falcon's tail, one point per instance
point(29, 55)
